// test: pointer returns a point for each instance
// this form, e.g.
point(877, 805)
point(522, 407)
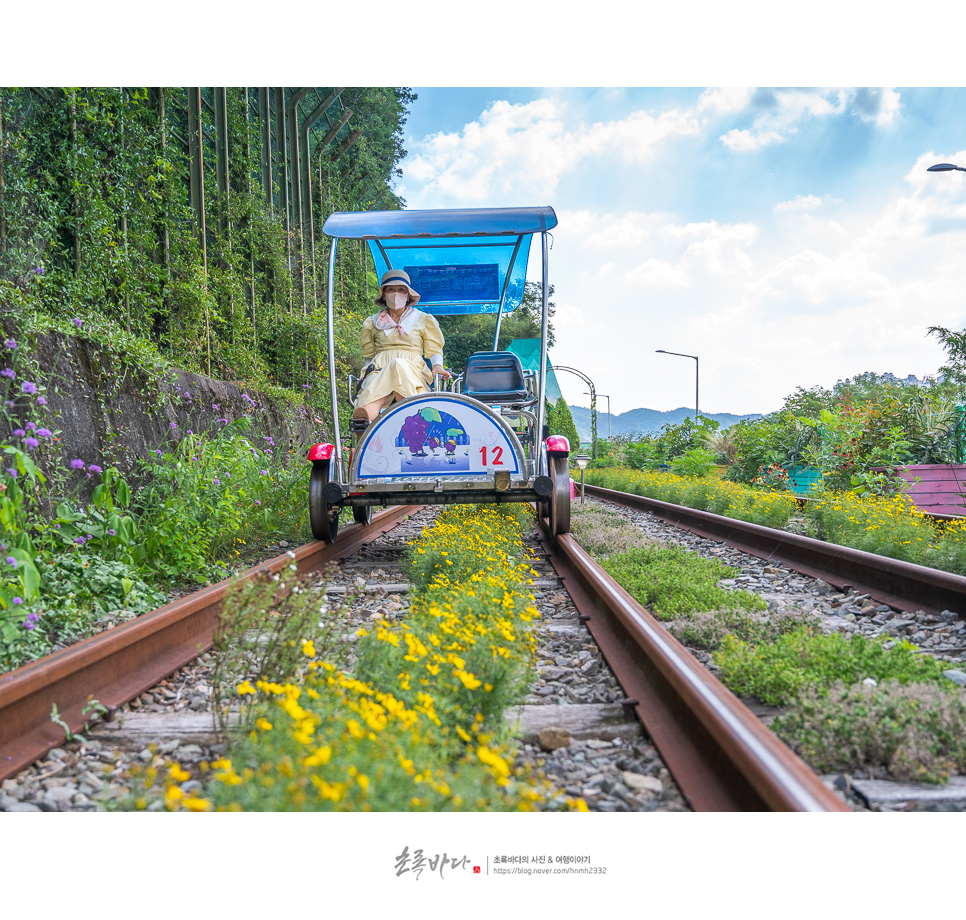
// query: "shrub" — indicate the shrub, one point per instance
point(708, 629)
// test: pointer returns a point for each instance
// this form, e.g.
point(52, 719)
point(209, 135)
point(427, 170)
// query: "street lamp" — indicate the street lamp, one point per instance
point(608, 411)
point(661, 351)
point(945, 167)
point(582, 460)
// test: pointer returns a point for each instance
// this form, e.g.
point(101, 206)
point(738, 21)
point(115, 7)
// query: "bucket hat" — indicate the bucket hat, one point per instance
point(396, 276)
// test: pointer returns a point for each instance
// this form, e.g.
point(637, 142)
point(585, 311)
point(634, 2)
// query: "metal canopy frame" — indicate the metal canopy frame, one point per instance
point(293, 124)
point(464, 228)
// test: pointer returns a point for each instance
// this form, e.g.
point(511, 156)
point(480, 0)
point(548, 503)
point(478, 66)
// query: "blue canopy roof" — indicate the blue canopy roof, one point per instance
point(371, 225)
point(460, 261)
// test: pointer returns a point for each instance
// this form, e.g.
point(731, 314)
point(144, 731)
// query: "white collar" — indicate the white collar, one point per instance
point(407, 322)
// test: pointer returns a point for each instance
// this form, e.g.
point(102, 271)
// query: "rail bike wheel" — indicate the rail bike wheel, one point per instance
point(558, 504)
point(362, 514)
point(323, 517)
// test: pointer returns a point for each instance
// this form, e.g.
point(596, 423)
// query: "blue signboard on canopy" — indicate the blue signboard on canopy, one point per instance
point(448, 283)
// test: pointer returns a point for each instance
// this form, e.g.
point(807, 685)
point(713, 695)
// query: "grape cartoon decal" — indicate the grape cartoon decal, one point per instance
point(430, 428)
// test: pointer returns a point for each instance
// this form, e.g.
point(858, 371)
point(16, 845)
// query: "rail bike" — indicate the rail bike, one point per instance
point(477, 438)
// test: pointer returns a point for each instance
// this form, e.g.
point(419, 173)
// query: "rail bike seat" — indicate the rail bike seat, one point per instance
point(495, 378)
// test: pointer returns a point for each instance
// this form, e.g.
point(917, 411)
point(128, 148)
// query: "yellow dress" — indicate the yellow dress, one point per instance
point(400, 367)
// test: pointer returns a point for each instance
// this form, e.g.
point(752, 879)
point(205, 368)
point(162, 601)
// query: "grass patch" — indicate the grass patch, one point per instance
point(603, 532)
point(668, 580)
point(917, 731)
point(779, 672)
point(673, 582)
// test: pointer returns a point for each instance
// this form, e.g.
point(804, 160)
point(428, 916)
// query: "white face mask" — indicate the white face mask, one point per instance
point(397, 301)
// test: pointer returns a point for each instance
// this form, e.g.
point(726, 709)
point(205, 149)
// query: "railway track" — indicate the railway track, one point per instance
point(702, 748)
point(901, 585)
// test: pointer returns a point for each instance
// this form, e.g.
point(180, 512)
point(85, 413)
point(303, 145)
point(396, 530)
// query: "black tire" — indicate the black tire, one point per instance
point(323, 517)
point(362, 514)
point(558, 504)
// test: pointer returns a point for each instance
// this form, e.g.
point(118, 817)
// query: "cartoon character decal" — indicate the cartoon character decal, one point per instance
point(424, 439)
point(431, 428)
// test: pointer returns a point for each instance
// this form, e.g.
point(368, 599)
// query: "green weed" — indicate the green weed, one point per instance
point(777, 673)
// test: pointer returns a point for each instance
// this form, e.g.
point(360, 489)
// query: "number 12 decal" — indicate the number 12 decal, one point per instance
point(497, 456)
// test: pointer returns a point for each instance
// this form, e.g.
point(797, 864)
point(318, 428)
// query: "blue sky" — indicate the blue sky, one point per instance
point(789, 237)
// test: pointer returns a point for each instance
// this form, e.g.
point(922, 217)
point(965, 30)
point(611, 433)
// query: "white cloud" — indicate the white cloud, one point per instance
point(743, 141)
point(526, 148)
point(656, 271)
point(724, 100)
point(799, 203)
point(782, 111)
point(880, 106)
point(630, 229)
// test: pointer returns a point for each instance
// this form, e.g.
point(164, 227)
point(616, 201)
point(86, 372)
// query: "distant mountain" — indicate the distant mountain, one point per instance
point(644, 421)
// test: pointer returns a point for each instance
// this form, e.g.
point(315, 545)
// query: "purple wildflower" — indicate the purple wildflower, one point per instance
point(44, 433)
point(11, 561)
point(214, 406)
point(8, 372)
point(94, 468)
point(41, 401)
point(172, 424)
point(19, 432)
point(31, 426)
point(190, 432)
point(31, 621)
point(217, 481)
point(31, 443)
point(12, 472)
point(112, 532)
point(11, 344)
point(19, 600)
point(29, 387)
point(263, 472)
point(223, 421)
point(39, 270)
point(77, 464)
point(271, 443)
point(159, 453)
point(257, 502)
point(77, 322)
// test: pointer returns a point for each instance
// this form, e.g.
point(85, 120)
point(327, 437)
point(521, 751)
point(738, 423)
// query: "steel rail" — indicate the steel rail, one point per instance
point(721, 756)
point(120, 663)
point(903, 585)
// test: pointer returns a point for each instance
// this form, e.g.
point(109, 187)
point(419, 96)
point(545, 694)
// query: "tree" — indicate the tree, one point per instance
point(955, 345)
point(560, 421)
